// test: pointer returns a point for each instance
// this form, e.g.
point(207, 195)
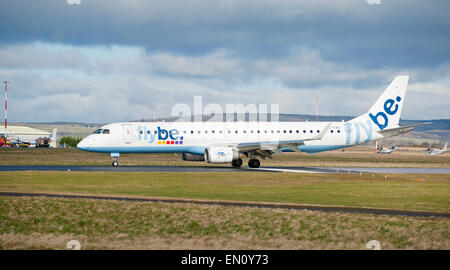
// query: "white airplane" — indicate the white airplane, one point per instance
point(381, 150)
point(435, 151)
point(225, 142)
point(53, 138)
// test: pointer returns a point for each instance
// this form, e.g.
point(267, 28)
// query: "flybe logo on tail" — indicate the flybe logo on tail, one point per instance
point(160, 135)
point(390, 108)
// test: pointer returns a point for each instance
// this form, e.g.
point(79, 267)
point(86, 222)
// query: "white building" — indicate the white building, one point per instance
point(23, 133)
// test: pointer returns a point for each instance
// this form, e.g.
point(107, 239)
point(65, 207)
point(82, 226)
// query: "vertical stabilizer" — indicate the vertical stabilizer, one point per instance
point(385, 112)
point(53, 138)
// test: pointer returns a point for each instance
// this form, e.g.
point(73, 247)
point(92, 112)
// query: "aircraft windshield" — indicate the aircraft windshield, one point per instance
point(98, 131)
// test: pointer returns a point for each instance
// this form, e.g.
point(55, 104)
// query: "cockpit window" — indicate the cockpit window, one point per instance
point(106, 131)
point(98, 131)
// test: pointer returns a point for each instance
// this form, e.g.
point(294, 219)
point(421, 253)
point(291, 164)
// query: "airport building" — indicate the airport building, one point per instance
point(23, 133)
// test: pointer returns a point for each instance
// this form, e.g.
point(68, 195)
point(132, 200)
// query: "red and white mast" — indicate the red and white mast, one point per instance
point(317, 109)
point(6, 110)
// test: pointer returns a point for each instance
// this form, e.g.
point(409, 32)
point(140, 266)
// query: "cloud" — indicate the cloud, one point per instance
point(113, 60)
point(107, 84)
point(395, 33)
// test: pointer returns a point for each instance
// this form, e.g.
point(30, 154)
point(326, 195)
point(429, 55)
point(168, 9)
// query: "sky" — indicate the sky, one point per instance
point(116, 60)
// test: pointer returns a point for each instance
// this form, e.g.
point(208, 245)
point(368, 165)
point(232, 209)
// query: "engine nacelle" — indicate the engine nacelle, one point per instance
point(192, 157)
point(220, 154)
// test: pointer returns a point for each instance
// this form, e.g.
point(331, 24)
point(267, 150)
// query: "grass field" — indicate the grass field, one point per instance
point(358, 156)
point(431, 193)
point(41, 223)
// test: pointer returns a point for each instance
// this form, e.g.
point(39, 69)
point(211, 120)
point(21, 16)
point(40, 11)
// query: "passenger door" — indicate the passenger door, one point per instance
point(127, 133)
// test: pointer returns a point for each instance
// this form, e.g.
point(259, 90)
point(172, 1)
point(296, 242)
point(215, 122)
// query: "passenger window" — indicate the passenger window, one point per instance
point(311, 131)
point(331, 131)
point(339, 131)
point(140, 132)
point(148, 131)
point(192, 132)
point(290, 131)
point(318, 131)
point(304, 131)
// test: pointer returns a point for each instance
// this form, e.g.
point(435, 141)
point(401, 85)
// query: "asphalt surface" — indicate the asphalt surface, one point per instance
point(86, 168)
point(243, 204)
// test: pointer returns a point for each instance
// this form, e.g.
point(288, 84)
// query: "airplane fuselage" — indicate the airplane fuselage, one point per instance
point(193, 137)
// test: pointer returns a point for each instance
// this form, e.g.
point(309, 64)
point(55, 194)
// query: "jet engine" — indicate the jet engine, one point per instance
point(220, 154)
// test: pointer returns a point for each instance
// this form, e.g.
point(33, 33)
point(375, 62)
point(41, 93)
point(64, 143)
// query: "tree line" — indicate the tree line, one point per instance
point(70, 141)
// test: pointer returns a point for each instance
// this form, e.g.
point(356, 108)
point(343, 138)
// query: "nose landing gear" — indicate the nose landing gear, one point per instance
point(115, 157)
point(115, 162)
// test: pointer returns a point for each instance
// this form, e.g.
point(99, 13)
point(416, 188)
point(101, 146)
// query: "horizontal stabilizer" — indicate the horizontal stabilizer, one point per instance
point(400, 130)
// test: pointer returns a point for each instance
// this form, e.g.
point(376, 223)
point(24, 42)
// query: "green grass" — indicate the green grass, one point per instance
point(49, 223)
point(358, 156)
point(432, 193)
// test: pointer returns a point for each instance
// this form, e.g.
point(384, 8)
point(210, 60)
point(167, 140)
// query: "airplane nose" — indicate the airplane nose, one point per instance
point(83, 145)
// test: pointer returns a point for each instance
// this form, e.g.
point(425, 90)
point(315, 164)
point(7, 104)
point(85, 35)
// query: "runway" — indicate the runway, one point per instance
point(321, 208)
point(87, 168)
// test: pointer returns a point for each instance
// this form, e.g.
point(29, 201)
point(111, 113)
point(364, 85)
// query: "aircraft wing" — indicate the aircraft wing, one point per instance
point(400, 130)
point(277, 145)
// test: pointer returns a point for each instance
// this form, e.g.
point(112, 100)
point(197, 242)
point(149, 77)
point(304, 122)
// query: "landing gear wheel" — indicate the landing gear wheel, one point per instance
point(115, 163)
point(254, 163)
point(236, 163)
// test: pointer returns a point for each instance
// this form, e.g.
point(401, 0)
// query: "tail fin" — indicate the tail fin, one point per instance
point(445, 147)
point(385, 113)
point(53, 138)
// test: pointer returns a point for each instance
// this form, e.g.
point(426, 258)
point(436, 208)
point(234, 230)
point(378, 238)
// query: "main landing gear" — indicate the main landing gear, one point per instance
point(254, 163)
point(236, 163)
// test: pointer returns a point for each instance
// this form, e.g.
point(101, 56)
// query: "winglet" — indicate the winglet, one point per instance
point(320, 135)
